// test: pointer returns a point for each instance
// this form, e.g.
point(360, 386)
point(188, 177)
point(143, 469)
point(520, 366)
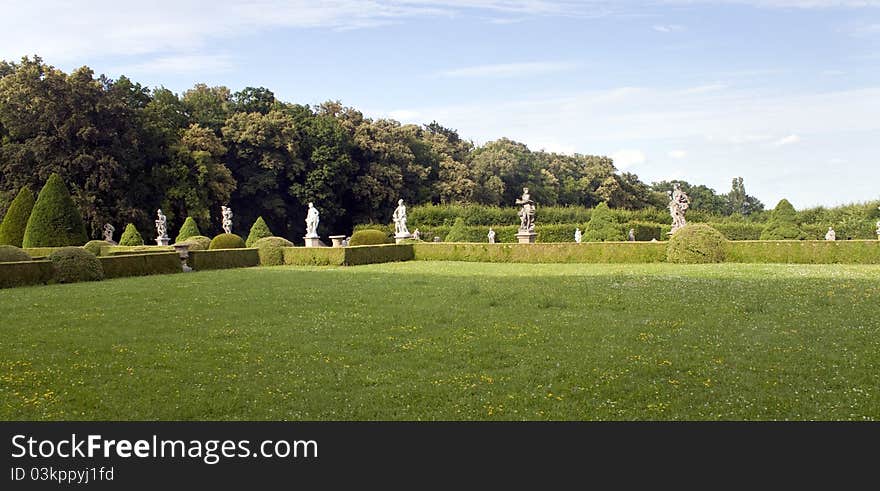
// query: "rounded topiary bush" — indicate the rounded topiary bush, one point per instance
point(602, 227)
point(55, 220)
point(198, 243)
point(189, 229)
point(73, 264)
point(783, 224)
point(94, 246)
point(258, 231)
point(15, 222)
point(10, 254)
point(368, 237)
point(131, 236)
point(696, 243)
point(227, 241)
point(458, 232)
point(271, 250)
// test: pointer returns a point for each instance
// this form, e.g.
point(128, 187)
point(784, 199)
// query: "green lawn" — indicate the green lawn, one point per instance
point(443, 340)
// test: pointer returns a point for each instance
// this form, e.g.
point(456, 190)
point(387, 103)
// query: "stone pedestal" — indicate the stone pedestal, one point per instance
point(398, 239)
point(183, 252)
point(163, 241)
point(526, 237)
point(337, 240)
point(313, 242)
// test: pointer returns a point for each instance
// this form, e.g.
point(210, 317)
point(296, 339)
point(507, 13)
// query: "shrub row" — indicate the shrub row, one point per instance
point(140, 264)
point(644, 231)
point(26, 273)
point(223, 259)
point(592, 252)
point(804, 251)
point(347, 256)
point(115, 250)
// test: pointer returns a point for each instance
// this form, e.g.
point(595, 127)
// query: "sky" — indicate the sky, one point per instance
point(785, 93)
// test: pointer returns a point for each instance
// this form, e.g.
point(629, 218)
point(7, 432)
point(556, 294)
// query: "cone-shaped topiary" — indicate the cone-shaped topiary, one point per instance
point(227, 241)
point(94, 246)
point(368, 237)
point(602, 227)
point(55, 220)
point(9, 254)
point(271, 250)
point(131, 236)
point(696, 243)
point(258, 231)
point(458, 232)
point(15, 221)
point(74, 264)
point(783, 224)
point(189, 229)
point(198, 243)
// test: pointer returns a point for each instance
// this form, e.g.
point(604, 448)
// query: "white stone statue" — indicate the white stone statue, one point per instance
point(312, 219)
point(491, 236)
point(399, 219)
point(679, 202)
point(226, 213)
point(878, 229)
point(346, 241)
point(831, 235)
point(161, 225)
point(578, 236)
point(527, 213)
point(632, 235)
point(417, 235)
point(108, 233)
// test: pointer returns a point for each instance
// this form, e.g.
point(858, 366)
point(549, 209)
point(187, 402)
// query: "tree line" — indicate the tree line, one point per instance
point(125, 150)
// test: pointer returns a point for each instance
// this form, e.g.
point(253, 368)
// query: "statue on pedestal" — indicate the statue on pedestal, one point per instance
point(312, 219)
point(162, 238)
point(399, 219)
point(679, 202)
point(226, 214)
point(527, 213)
point(491, 236)
point(578, 235)
point(108, 233)
point(831, 235)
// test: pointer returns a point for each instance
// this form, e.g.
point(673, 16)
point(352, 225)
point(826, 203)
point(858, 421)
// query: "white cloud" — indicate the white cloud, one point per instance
point(178, 64)
point(668, 28)
point(678, 154)
point(787, 140)
point(508, 69)
point(624, 159)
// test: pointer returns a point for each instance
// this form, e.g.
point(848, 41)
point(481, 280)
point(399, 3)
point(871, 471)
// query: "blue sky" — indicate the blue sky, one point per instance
point(785, 93)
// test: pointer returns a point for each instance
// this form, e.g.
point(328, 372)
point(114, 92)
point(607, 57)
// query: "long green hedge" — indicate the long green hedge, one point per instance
point(118, 249)
point(803, 251)
point(40, 251)
point(140, 264)
point(223, 259)
point(314, 256)
point(347, 256)
point(26, 273)
point(593, 252)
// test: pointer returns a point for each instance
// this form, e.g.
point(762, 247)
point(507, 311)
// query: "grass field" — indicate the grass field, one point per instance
point(444, 340)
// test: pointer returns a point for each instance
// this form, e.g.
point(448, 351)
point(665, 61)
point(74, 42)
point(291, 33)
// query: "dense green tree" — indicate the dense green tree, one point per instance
point(55, 220)
point(739, 202)
point(601, 226)
point(207, 106)
point(253, 100)
point(15, 221)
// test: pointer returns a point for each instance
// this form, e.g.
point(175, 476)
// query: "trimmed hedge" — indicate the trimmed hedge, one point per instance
point(696, 243)
point(75, 264)
point(347, 256)
point(386, 253)
point(369, 237)
point(42, 252)
point(115, 250)
point(94, 246)
point(26, 273)
point(15, 222)
point(131, 237)
point(55, 220)
point(592, 252)
point(804, 251)
point(12, 254)
point(226, 241)
point(739, 231)
point(314, 256)
point(140, 264)
point(223, 259)
point(189, 229)
point(259, 230)
point(198, 243)
point(271, 250)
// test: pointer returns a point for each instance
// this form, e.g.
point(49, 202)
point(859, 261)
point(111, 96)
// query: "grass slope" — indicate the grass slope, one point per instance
point(435, 340)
